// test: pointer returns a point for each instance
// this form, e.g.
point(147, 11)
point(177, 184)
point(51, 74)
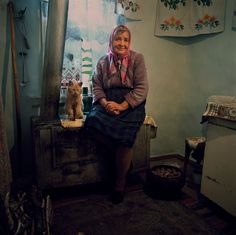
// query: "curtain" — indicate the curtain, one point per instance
point(88, 29)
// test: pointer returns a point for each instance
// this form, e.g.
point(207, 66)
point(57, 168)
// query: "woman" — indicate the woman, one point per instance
point(120, 89)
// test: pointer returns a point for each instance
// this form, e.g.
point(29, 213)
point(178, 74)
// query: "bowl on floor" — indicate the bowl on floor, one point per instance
point(164, 181)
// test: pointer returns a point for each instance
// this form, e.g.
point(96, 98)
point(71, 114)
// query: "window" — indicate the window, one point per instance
point(88, 27)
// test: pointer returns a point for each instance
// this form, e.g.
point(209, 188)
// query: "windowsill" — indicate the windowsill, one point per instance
point(66, 123)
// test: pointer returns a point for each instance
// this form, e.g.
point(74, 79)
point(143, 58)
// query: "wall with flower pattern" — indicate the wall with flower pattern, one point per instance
point(189, 17)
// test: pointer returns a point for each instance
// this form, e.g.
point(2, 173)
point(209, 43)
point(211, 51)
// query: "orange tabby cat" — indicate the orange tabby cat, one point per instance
point(74, 100)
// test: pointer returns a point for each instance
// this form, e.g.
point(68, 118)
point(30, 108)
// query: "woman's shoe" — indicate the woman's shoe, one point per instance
point(117, 197)
point(131, 167)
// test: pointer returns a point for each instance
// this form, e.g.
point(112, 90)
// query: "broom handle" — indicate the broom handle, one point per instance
point(16, 80)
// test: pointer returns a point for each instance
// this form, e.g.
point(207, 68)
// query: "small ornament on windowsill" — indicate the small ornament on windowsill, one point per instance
point(87, 100)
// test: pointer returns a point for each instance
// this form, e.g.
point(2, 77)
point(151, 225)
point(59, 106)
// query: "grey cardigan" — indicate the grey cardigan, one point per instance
point(136, 79)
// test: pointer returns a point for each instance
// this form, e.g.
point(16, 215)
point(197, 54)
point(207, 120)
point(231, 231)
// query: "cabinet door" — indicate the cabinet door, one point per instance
point(219, 168)
point(65, 157)
point(72, 146)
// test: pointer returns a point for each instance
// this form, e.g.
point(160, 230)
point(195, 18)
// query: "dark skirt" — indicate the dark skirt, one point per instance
point(121, 130)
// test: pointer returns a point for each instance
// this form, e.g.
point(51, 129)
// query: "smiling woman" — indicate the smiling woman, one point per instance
point(120, 88)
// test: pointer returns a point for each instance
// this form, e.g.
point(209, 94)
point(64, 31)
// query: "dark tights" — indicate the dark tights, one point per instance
point(123, 158)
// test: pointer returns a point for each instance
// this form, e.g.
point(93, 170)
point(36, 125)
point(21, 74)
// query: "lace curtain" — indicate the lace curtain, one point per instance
point(88, 28)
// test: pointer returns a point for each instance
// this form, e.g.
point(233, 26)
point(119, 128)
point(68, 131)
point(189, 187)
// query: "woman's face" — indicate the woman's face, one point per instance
point(120, 43)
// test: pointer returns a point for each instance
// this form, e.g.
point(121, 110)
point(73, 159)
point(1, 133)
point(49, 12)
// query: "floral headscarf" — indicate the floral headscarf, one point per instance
point(115, 61)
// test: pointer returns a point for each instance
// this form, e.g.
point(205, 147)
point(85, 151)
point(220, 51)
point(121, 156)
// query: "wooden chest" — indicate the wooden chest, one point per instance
point(68, 157)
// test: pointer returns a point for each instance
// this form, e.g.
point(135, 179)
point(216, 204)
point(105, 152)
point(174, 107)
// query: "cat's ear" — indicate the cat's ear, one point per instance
point(70, 83)
point(80, 83)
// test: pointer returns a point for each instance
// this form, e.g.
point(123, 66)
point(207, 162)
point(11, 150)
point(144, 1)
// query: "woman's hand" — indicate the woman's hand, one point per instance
point(112, 107)
point(116, 108)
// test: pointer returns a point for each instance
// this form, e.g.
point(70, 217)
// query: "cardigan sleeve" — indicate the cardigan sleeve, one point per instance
point(140, 82)
point(98, 87)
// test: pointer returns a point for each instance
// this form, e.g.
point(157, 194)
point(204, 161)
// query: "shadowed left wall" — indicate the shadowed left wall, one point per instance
point(6, 106)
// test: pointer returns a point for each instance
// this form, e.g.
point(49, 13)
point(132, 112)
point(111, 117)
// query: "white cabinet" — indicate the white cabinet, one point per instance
point(219, 168)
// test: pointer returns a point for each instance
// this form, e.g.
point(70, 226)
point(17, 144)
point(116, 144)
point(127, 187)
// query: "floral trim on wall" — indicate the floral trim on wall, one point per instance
point(172, 23)
point(128, 11)
point(207, 22)
point(189, 18)
point(173, 4)
point(129, 5)
point(204, 2)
